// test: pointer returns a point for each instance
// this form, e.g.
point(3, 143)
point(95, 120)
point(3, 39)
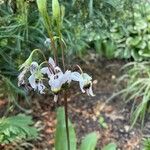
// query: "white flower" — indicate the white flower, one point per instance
point(85, 82)
point(25, 68)
point(57, 80)
point(36, 78)
point(51, 62)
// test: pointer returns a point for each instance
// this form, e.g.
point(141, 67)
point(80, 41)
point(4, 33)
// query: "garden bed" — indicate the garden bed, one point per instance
point(85, 112)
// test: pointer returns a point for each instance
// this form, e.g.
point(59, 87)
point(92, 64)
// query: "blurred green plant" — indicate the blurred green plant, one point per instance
point(137, 87)
point(146, 144)
point(110, 146)
point(88, 143)
point(102, 122)
point(16, 129)
point(130, 37)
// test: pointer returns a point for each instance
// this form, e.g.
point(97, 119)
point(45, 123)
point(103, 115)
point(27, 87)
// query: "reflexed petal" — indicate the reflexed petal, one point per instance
point(81, 87)
point(46, 70)
point(91, 91)
point(21, 77)
point(76, 76)
point(66, 77)
point(87, 92)
point(51, 61)
point(32, 82)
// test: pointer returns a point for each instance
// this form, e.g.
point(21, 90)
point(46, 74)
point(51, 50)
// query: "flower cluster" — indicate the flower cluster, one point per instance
point(56, 77)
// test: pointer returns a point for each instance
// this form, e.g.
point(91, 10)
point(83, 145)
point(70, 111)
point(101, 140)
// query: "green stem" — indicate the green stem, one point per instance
point(38, 50)
point(53, 47)
point(50, 34)
point(61, 46)
point(66, 119)
point(62, 49)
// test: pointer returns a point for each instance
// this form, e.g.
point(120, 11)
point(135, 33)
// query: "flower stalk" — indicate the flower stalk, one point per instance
point(58, 80)
point(66, 119)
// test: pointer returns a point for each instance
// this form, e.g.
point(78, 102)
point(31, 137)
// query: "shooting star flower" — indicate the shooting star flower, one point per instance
point(85, 82)
point(25, 67)
point(57, 81)
point(36, 78)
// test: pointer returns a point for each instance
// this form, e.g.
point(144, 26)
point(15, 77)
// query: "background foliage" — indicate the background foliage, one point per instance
point(112, 28)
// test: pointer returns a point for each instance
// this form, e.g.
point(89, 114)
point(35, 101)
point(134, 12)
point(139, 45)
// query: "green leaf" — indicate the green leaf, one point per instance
point(60, 136)
point(42, 6)
point(101, 119)
point(91, 8)
point(17, 128)
point(141, 45)
point(133, 41)
point(141, 25)
point(127, 53)
point(89, 142)
point(146, 144)
point(135, 55)
point(110, 146)
point(56, 11)
point(62, 12)
point(109, 49)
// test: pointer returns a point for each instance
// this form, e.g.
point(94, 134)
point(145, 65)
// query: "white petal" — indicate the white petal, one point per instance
point(21, 77)
point(55, 98)
point(51, 61)
point(32, 82)
point(87, 92)
point(91, 91)
point(33, 67)
point(75, 76)
point(57, 69)
point(81, 87)
point(41, 87)
point(67, 76)
point(46, 70)
point(55, 84)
